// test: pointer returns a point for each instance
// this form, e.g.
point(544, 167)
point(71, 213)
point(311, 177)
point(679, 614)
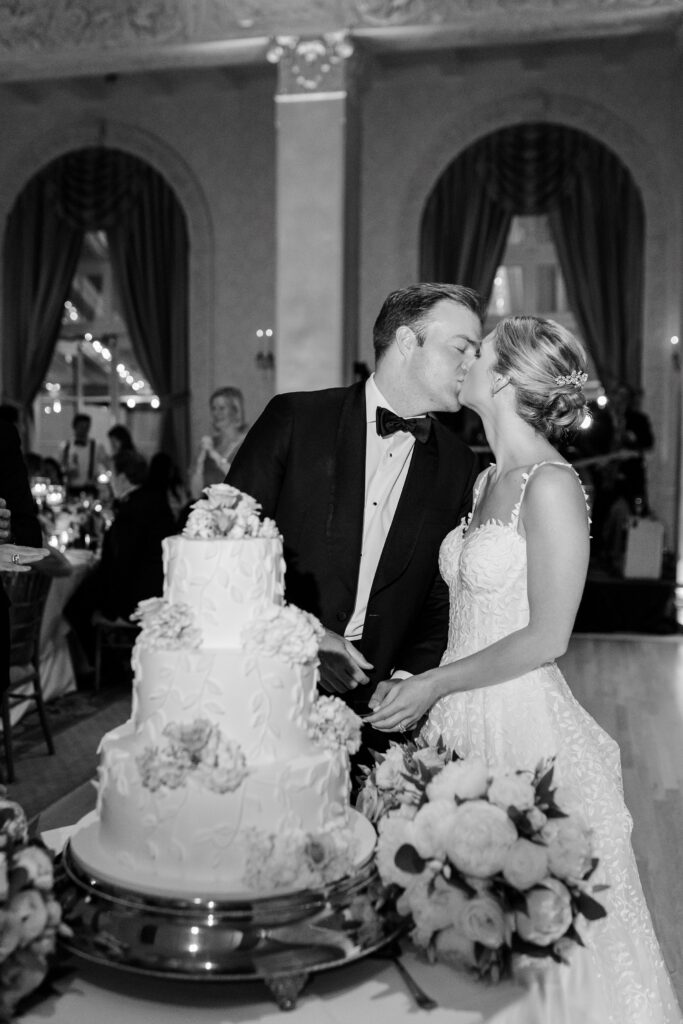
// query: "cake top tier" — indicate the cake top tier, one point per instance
point(226, 512)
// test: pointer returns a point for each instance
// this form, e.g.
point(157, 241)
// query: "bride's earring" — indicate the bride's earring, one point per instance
point(497, 385)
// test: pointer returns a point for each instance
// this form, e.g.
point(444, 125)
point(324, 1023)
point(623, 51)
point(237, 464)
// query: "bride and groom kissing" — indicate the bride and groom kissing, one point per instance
point(446, 596)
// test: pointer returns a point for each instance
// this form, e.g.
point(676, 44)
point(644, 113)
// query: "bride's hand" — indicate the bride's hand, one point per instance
point(18, 558)
point(405, 703)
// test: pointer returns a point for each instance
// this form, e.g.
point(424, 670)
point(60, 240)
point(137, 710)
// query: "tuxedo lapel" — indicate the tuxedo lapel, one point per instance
point(407, 522)
point(345, 520)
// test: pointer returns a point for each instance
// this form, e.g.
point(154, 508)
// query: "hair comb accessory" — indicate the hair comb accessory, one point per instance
point(575, 379)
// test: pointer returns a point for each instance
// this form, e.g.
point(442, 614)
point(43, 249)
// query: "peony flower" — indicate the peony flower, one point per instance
point(483, 921)
point(569, 848)
point(513, 789)
point(461, 780)
point(525, 864)
point(479, 838)
point(37, 863)
point(394, 832)
point(548, 914)
point(370, 802)
point(228, 770)
point(166, 626)
point(284, 631)
point(13, 823)
point(431, 824)
point(333, 724)
point(193, 737)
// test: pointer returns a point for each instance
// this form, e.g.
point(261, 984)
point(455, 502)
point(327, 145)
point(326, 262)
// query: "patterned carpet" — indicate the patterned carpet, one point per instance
point(78, 721)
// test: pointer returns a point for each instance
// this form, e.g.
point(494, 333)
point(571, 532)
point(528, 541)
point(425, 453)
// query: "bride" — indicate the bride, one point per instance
point(515, 571)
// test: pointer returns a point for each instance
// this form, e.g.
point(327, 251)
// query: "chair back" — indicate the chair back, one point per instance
point(27, 592)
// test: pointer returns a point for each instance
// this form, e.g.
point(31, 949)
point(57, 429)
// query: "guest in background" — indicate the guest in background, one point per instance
point(35, 466)
point(52, 470)
point(228, 430)
point(130, 568)
point(18, 526)
point(164, 477)
point(81, 457)
point(120, 439)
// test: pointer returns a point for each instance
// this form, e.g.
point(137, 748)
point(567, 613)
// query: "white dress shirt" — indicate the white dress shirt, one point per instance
point(386, 466)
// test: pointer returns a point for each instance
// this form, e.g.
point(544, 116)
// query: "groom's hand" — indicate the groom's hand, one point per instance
point(341, 664)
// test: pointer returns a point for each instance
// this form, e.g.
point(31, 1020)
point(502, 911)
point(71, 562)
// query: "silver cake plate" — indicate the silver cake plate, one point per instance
point(277, 939)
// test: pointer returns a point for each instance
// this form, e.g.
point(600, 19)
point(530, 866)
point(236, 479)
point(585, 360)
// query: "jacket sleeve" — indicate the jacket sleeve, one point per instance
point(15, 489)
point(260, 464)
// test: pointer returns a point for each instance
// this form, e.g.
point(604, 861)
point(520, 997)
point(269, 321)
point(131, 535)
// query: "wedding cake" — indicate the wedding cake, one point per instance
point(231, 776)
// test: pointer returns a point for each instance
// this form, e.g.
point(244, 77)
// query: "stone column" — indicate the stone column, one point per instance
point(316, 213)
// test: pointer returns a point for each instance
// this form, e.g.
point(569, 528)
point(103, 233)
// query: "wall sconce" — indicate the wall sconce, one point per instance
point(265, 359)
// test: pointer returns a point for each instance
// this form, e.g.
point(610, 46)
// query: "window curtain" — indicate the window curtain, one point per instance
point(595, 213)
point(40, 257)
point(101, 189)
point(464, 229)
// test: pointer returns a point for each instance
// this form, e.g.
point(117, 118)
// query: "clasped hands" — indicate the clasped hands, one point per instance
point(397, 704)
point(15, 557)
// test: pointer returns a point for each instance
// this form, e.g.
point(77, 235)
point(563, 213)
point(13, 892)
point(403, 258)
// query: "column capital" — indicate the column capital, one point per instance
point(311, 64)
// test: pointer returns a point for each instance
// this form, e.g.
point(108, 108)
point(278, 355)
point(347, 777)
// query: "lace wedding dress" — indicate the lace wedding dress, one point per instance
point(620, 977)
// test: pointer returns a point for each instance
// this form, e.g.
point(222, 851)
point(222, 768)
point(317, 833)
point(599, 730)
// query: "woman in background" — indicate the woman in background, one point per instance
point(228, 430)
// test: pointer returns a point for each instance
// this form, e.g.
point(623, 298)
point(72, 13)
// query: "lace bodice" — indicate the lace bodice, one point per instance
point(485, 569)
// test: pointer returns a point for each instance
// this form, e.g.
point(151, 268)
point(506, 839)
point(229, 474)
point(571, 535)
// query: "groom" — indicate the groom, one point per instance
point(364, 485)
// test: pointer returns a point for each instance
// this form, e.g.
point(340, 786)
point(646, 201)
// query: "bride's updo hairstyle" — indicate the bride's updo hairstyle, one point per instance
point(546, 365)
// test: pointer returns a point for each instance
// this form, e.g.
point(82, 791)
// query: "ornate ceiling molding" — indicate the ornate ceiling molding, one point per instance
point(60, 37)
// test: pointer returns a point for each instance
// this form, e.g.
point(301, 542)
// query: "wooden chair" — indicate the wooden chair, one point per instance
point(27, 592)
point(115, 635)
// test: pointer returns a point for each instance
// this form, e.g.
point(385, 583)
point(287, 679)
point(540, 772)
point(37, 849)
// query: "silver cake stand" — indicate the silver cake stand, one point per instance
point(279, 940)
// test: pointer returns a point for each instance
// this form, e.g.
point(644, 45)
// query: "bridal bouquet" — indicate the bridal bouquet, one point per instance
point(484, 867)
point(30, 916)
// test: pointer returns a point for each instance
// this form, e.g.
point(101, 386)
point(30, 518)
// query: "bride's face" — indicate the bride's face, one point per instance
point(476, 385)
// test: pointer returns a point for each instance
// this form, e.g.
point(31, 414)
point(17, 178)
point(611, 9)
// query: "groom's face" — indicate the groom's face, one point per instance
point(452, 333)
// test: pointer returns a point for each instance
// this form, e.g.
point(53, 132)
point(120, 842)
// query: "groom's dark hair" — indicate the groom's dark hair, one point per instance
point(409, 306)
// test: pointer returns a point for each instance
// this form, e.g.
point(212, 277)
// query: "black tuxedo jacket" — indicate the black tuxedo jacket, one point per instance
point(304, 460)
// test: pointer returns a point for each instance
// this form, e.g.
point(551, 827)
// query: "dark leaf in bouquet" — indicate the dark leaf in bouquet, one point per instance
point(594, 863)
point(590, 908)
point(520, 945)
point(409, 860)
point(602, 887)
point(552, 811)
point(19, 879)
point(520, 820)
point(571, 933)
point(513, 898)
point(456, 880)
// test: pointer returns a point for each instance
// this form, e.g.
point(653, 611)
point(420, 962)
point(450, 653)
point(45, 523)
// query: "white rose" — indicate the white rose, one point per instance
point(451, 945)
point(466, 780)
point(569, 848)
point(223, 495)
point(512, 790)
point(389, 774)
point(431, 824)
point(431, 908)
point(394, 832)
point(429, 757)
point(38, 866)
point(479, 837)
point(526, 864)
point(482, 920)
point(548, 914)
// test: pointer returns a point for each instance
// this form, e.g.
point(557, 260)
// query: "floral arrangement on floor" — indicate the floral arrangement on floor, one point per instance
point(486, 869)
point(30, 916)
point(199, 751)
point(227, 512)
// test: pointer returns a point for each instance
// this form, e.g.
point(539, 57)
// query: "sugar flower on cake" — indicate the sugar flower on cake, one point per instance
point(225, 511)
point(333, 724)
point(485, 868)
point(196, 750)
point(284, 631)
point(166, 626)
point(295, 859)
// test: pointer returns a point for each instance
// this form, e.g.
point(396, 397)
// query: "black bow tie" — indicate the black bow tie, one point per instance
point(388, 423)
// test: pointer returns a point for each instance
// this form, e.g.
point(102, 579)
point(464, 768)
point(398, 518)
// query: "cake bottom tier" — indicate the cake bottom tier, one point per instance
point(285, 826)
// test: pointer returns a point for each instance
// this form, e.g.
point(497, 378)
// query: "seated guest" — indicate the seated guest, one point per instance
point(130, 568)
point(120, 439)
point(52, 470)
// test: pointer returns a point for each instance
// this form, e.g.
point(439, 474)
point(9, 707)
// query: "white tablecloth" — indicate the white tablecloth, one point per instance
point(56, 670)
